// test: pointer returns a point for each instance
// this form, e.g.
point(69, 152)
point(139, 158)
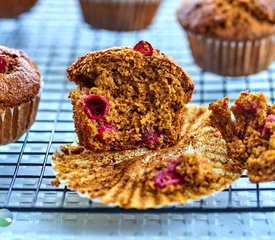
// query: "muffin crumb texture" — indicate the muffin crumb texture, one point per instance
point(251, 138)
point(129, 98)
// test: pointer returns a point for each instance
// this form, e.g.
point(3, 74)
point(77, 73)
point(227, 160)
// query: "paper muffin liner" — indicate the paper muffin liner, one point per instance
point(15, 121)
point(120, 178)
point(119, 15)
point(13, 8)
point(232, 58)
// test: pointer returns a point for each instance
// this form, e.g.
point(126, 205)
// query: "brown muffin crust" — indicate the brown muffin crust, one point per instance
point(21, 82)
point(228, 19)
point(147, 94)
point(13, 8)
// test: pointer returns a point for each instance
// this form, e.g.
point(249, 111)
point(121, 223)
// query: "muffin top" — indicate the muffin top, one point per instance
point(19, 77)
point(228, 19)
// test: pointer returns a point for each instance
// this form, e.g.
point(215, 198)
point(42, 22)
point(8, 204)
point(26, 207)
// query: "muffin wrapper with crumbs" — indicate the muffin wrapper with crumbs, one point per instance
point(122, 178)
point(119, 15)
point(15, 121)
point(232, 58)
point(13, 8)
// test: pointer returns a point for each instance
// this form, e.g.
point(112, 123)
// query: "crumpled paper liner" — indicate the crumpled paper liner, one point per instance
point(120, 178)
point(15, 121)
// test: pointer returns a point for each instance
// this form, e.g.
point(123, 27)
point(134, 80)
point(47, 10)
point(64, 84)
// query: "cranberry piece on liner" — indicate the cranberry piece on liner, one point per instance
point(144, 47)
point(96, 107)
point(165, 178)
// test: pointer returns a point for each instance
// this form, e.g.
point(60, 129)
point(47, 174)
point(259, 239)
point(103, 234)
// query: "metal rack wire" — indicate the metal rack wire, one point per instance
point(54, 38)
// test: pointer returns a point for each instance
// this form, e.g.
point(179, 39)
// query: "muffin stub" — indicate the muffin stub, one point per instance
point(251, 137)
point(119, 15)
point(129, 98)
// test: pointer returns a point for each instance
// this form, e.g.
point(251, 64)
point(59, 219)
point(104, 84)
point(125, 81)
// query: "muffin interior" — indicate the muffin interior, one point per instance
point(147, 94)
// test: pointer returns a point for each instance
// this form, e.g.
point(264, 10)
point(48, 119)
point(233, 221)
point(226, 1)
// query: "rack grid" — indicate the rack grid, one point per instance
point(54, 34)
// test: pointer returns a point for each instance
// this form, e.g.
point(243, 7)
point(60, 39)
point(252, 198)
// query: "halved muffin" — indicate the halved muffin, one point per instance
point(129, 98)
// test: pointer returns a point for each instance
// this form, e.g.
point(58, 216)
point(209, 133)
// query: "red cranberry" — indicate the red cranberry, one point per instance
point(245, 94)
point(252, 110)
point(150, 136)
point(144, 47)
point(96, 106)
point(105, 128)
point(4, 63)
point(264, 128)
point(165, 178)
point(270, 118)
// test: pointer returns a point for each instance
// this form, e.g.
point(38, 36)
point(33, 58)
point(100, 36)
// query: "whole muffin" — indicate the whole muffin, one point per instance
point(19, 93)
point(129, 98)
point(119, 15)
point(13, 8)
point(230, 37)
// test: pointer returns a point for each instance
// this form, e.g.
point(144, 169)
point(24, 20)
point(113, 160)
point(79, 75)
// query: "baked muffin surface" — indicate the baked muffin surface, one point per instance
point(19, 78)
point(141, 99)
point(228, 19)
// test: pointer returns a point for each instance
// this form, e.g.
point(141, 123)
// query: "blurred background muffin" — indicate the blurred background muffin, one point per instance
point(230, 37)
point(119, 15)
point(13, 8)
point(19, 94)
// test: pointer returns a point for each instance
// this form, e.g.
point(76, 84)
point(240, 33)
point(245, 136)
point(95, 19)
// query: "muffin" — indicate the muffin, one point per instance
point(19, 93)
point(251, 138)
point(119, 15)
point(13, 8)
point(128, 98)
point(230, 37)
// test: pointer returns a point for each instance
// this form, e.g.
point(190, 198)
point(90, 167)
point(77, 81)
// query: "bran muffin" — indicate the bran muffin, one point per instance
point(129, 98)
point(230, 37)
point(251, 138)
point(19, 93)
point(13, 8)
point(119, 15)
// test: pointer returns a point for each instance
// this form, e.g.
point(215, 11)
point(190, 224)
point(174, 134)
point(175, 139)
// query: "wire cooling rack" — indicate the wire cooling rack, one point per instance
point(54, 35)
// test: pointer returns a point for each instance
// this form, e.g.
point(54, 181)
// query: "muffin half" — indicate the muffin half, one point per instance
point(129, 98)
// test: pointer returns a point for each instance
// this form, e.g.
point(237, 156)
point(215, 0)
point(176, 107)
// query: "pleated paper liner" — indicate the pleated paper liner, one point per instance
point(119, 15)
point(15, 121)
point(128, 178)
point(232, 58)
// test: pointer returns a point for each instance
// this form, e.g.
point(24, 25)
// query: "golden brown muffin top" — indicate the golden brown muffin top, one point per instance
point(228, 19)
point(84, 65)
point(20, 80)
